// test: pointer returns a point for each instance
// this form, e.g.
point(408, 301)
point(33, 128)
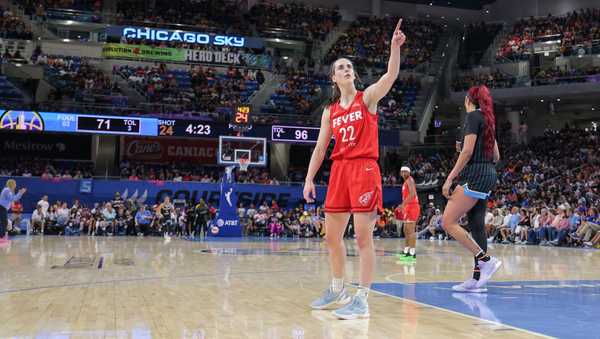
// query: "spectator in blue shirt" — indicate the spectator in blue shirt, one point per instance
point(589, 227)
point(143, 219)
point(108, 219)
point(513, 221)
point(7, 197)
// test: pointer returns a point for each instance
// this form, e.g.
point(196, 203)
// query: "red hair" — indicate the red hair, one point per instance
point(480, 97)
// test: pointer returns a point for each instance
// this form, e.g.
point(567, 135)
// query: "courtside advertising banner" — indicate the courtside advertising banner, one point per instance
point(90, 191)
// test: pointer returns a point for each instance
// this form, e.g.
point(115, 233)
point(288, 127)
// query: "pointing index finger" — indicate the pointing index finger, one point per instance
point(399, 24)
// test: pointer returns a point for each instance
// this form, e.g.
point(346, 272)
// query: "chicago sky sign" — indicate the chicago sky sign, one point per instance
point(167, 35)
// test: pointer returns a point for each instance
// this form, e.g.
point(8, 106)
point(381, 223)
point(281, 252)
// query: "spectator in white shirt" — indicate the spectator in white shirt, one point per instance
point(38, 219)
point(45, 205)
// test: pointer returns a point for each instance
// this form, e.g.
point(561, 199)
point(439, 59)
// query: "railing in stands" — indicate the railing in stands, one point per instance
point(74, 15)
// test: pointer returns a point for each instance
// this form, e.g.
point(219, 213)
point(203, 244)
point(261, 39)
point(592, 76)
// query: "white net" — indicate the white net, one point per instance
point(243, 164)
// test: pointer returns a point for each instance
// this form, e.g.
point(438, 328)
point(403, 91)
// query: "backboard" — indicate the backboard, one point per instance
point(232, 148)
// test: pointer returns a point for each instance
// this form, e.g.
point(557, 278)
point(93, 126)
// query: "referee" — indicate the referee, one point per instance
point(7, 197)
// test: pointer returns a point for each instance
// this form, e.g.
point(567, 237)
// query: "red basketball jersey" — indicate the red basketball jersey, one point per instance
point(406, 193)
point(355, 130)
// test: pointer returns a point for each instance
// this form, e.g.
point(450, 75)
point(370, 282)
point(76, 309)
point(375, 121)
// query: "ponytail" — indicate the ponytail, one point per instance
point(480, 96)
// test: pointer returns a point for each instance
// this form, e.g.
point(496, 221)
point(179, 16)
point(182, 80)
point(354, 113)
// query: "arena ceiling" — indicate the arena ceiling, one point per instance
point(464, 4)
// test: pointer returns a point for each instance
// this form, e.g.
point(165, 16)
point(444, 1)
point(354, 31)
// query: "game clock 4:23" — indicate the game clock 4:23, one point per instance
point(184, 128)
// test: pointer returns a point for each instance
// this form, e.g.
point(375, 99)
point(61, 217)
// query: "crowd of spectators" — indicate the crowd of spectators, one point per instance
point(12, 27)
point(31, 6)
point(197, 88)
point(476, 40)
point(556, 176)
point(299, 94)
point(219, 16)
point(77, 80)
point(127, 216)
point(544, 77)
point(577, 28)
point(119, 216)
point(495, 79)
point(396, 108)
point(265, 18)
point(368, 42)
point(558, 75)
point(124, 216)
point(293, 19)
point(190, 172)
point(45, 169)
point(547, 193)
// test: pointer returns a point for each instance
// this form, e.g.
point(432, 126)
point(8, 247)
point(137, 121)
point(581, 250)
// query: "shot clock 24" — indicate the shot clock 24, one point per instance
point(242, 115)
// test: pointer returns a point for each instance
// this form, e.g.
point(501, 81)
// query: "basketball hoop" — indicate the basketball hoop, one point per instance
point(243, 162)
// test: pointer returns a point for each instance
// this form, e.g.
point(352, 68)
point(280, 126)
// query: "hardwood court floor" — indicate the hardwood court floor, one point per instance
point(100, 287)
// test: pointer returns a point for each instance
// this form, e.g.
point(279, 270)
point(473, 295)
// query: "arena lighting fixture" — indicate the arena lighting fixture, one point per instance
point(593, 108)
point(541, 100)
point(558, 99)
point(431, 4)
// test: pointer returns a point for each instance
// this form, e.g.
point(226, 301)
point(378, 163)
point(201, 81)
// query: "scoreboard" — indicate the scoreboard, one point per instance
point(294, 134)
point(76, 123)
point(104, 124)
point(33, 121)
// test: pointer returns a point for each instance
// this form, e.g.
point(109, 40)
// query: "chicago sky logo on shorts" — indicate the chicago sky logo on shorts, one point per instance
point(365, 198)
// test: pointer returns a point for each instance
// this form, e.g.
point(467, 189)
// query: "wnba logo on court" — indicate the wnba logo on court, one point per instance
point(364, 198)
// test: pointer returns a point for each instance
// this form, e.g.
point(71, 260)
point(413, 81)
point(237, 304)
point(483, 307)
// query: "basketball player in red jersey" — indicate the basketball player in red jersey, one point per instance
point(355, 182)
point(412, 211)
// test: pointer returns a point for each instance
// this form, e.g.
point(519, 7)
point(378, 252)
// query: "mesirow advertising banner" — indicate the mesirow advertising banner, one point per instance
point(166, 54)
point(46, 146)
point(150, 192)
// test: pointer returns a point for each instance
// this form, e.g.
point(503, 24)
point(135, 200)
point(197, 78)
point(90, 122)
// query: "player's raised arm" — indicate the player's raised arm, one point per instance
point(378, 90)
point(317, 157)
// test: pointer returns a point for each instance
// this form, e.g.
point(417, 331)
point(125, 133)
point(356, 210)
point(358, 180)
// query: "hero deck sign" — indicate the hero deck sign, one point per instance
point(167, 35)
point(216, 57)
